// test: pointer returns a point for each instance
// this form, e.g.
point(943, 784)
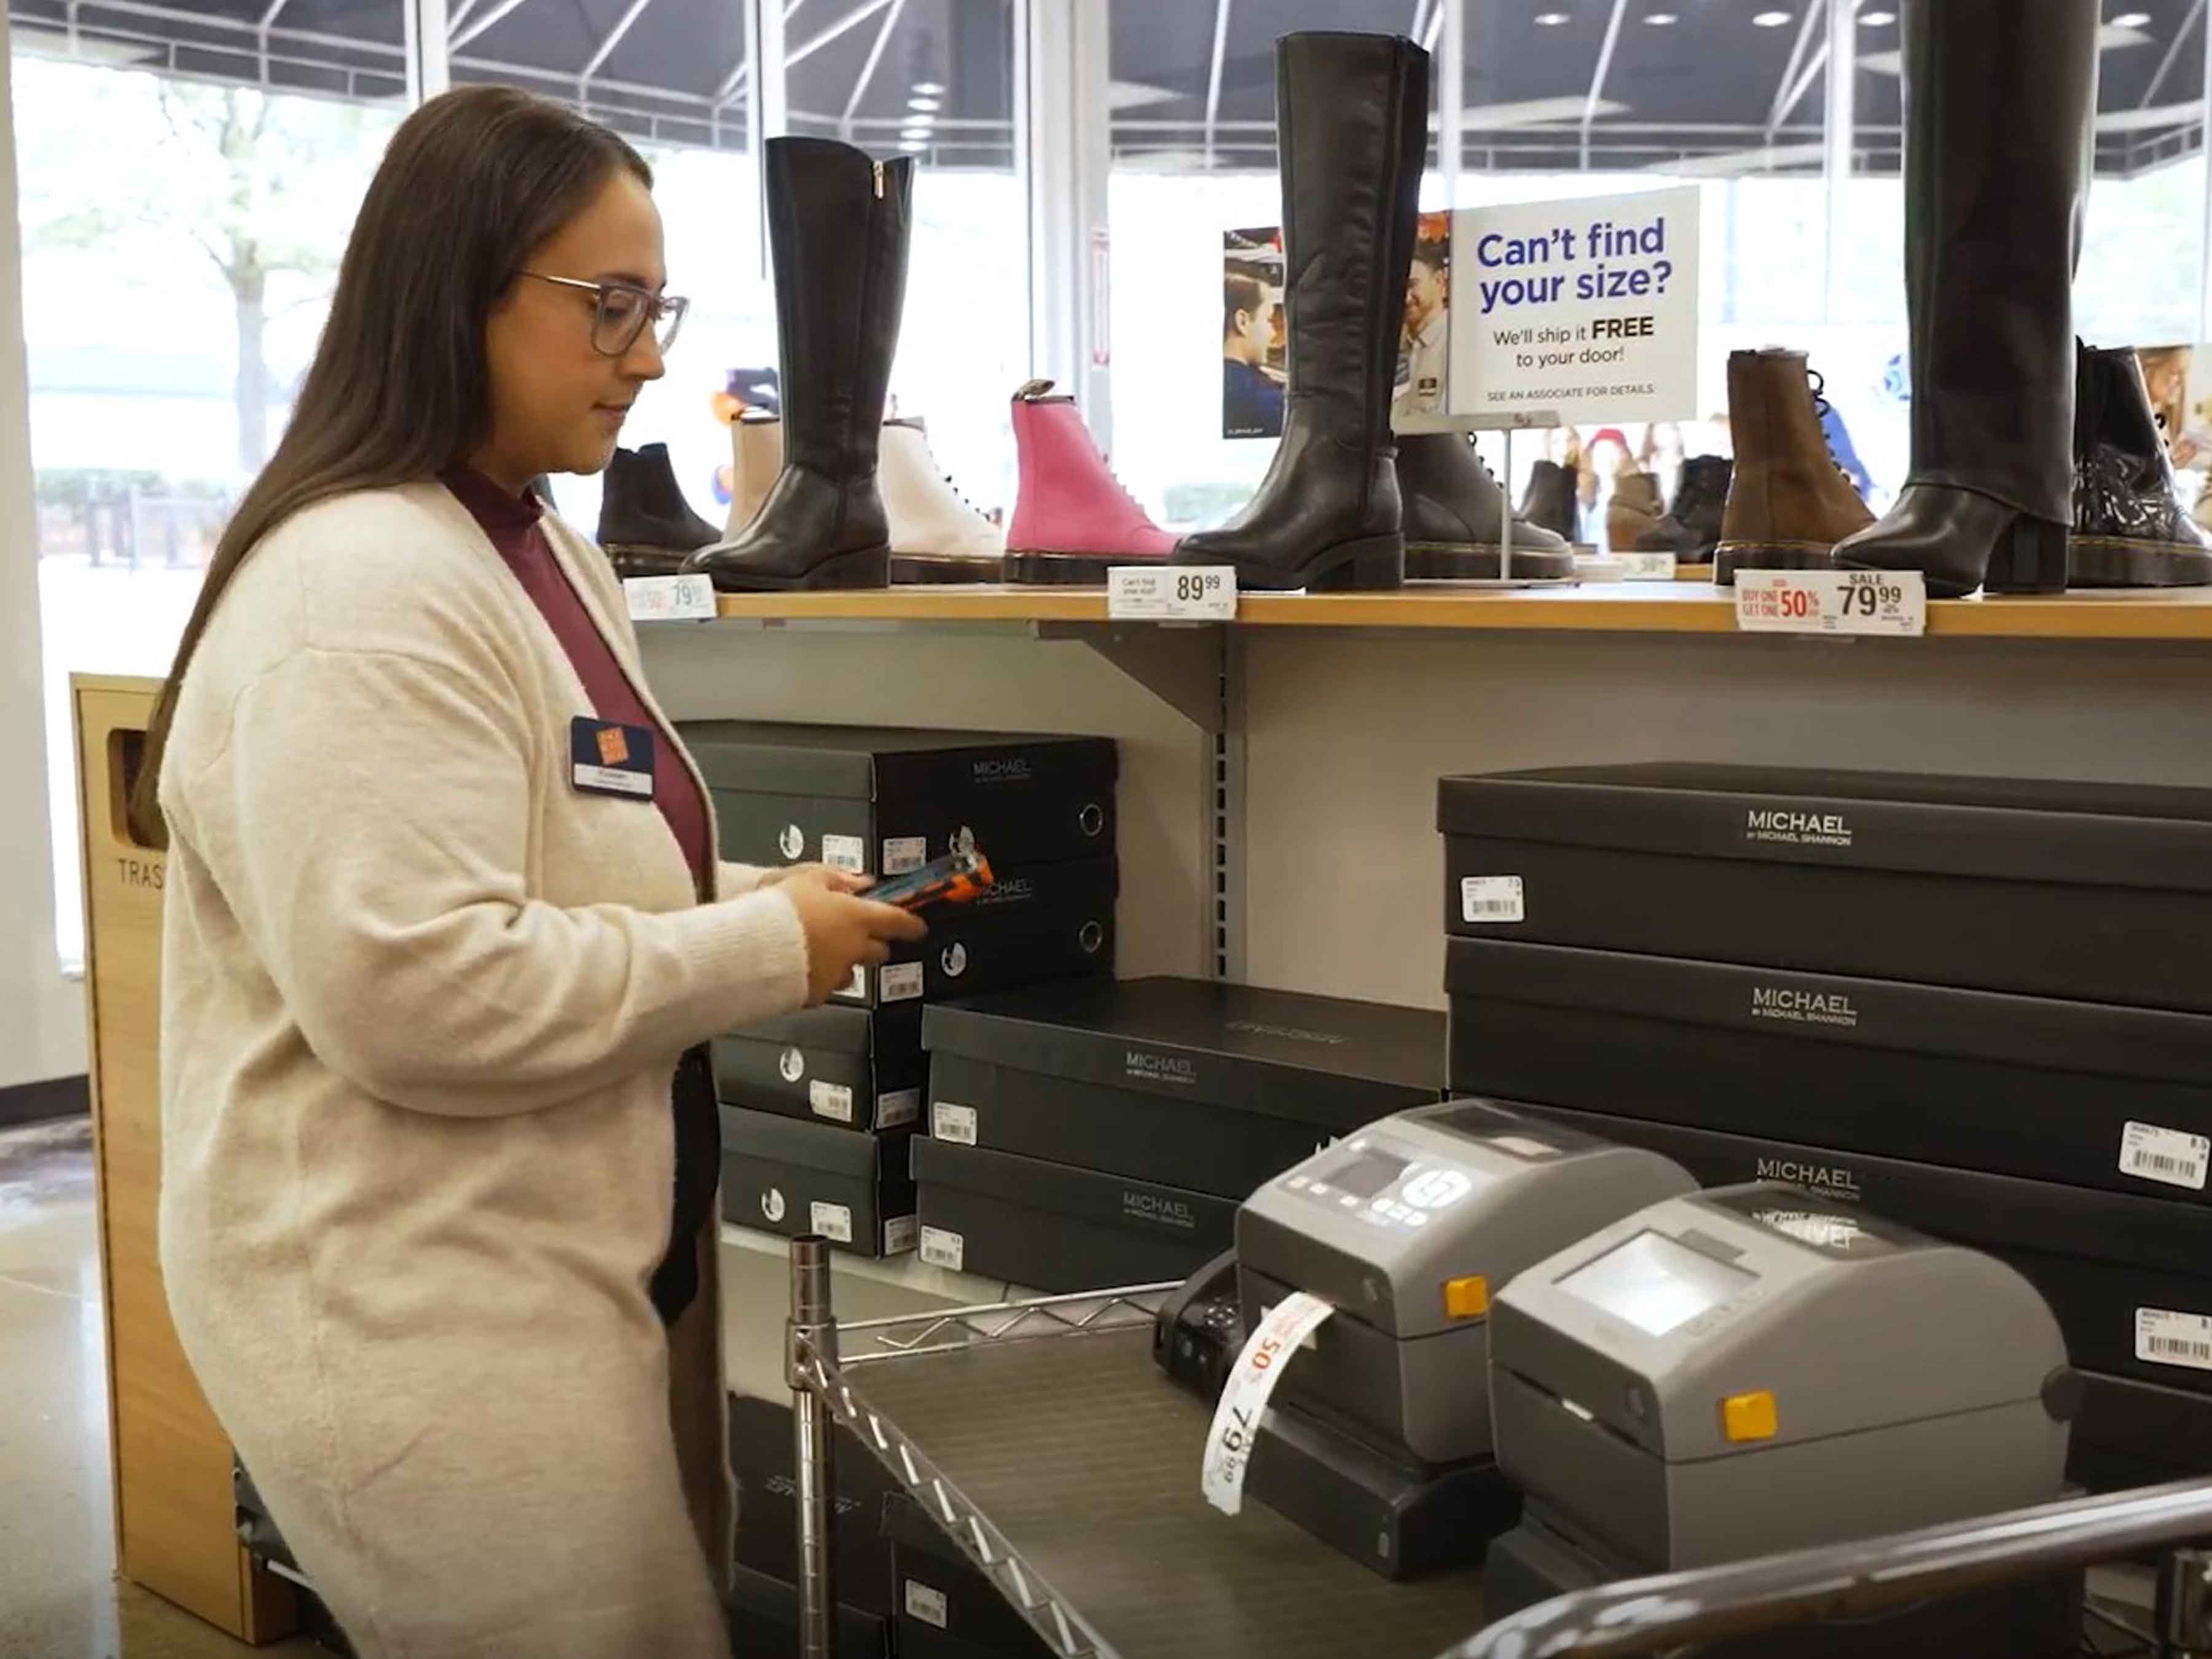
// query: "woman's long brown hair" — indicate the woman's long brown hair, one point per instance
point(399, 389)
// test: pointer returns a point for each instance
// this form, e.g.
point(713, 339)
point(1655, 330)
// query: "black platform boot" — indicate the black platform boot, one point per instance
point(1352, 127)
point(1997, 129)
point(1452, 509)
point(2128, 530)
point(838, 227)
point(1691, 527)
point(646, 525)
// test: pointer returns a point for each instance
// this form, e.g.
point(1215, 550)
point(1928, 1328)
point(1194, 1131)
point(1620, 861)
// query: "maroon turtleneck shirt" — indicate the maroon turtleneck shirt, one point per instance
point(512, 524)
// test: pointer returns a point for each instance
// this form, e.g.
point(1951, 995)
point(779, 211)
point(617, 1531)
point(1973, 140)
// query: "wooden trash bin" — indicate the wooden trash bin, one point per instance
point(176, 1529)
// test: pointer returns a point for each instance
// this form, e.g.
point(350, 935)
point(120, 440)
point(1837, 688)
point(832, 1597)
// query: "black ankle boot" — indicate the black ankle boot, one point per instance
point(1549, 503)
point(2128, 530)
point(1453, 510)
point(1691, 527)
point(646, 525)
point(838, 229)
point(1997, 128)
point(1352, 115)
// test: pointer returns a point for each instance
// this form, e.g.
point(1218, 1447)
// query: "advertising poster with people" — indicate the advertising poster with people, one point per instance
point(1424, 339)
point(1254, 334)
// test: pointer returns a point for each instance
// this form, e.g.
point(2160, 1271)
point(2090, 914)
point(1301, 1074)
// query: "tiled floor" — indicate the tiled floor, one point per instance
point(58, 1597)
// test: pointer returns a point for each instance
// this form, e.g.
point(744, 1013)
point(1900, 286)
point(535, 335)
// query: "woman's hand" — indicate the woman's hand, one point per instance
point(843, 931)
point(838, 881)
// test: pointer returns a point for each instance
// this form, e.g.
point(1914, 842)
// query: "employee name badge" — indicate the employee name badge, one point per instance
point(608, 759)
point(1244, 1399)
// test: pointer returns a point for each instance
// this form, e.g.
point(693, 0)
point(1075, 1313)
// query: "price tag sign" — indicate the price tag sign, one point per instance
point(1236, 1426)
point(669, 598)
point(1193, 592)
point(1647, 567)
point(1832, 602)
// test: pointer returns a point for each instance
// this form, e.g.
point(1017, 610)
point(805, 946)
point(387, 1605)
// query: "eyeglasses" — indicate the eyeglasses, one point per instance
point(623, 311)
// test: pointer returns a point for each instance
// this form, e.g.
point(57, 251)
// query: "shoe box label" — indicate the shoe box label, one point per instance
point(897, 1109)
point(2165, 1337)
point(1491, 899)
point(903, 854)
point(899, 1235)
point(900, 982)
point(832, 1221)
point(2170, 1156)
point(941, 1248)
point(927, 1605)
point(956, 1124)
point(831, 1100)
point(846, 853)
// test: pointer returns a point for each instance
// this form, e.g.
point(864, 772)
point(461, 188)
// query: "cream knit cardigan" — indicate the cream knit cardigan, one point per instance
point(420, 1004)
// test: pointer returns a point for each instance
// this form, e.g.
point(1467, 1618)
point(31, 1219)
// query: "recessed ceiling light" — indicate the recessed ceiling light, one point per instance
point(1660, 20)
point(914, 146)
point(1875, 19)
point(930, 89)
point(2131, 20)
point(915, 134)
point(1770, 20)
point(1550, 20)
point(921, 103)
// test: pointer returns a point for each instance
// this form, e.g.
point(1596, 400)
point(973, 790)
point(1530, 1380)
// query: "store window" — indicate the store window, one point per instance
point(1192, 132)
point(934, 79)
point(1562, 98)
point(186, 185)
point(675, 77)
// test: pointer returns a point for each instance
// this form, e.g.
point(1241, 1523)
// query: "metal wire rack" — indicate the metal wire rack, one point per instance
point(1677, 1614)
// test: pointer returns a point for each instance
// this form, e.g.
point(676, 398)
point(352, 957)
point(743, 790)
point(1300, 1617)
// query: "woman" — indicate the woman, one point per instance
point(443, 916)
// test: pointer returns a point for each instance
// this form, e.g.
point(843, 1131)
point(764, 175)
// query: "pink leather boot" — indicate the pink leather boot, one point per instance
point(1072, 518)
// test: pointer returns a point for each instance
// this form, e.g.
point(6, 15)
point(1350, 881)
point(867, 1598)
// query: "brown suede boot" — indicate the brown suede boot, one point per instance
point(1788, 505)
point(1636, 508)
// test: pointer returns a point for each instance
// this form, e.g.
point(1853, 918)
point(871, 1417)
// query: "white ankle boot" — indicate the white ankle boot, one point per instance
point(937, 535)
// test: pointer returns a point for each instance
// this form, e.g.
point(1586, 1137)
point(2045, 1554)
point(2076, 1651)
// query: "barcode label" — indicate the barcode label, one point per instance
point(904, 854)
point(2163, 1337)
point(2172, 1157)
point(1492, 898)
point(846, 853)
point(900, 982)
point(954, 1123)
point(832, 1221)
point(899, 1107)
point(927, 1605)
point(830, 1100)
point(943, 1250)
point(899, 1235)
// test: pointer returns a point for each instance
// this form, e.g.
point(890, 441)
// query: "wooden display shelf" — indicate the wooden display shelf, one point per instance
point(1610, 608)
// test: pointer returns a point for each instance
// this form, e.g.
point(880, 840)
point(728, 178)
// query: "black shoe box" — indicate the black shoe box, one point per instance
point(786, 1177)
point(2133, 1433)
point(2100, 1259)
point(859, 1068)
point(1191, 1083)
point(943, 1605)
point(886, 801)
point(763, 1619)
point(768, 1507)
point(2086, 1093)
point(1037, 923)
point(1052, 1227)
point(2099, 892)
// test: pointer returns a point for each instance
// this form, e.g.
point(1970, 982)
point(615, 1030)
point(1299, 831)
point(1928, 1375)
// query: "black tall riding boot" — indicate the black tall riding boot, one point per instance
point(838, 226)
point(2130, 530)
point(1998, 110)
point(1352, 114)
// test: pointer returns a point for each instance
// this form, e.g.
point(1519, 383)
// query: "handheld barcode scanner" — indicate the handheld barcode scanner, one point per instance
point(957, 878)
